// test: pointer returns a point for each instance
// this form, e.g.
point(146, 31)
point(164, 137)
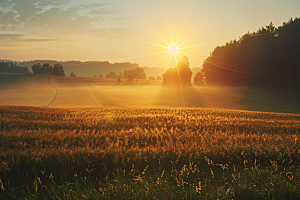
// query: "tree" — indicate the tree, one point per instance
point(58, 70)
point(137, 73)
point(36, 68)
point(130, 79)
point(151, 78)
point(158, 78)
point(100, 75)
point(180, 75)
point(268, 57)
point(111, 75)
point(72, 74)
point(95, 76)
point(198, 80)
point(46, 69)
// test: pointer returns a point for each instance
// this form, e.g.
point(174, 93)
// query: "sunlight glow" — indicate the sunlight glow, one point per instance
point(173, 49)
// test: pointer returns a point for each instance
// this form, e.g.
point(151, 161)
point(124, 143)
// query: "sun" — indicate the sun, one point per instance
point(173, 49)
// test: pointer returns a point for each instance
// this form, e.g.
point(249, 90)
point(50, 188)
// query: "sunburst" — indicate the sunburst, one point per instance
point(173, 50)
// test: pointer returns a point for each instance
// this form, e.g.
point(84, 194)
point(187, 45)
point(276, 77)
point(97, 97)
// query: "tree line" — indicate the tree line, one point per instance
point(11, 67)
point(47, 69)
point(267, 57)
point(137, 73)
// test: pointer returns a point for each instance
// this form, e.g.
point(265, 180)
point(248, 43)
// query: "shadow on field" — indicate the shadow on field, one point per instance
point(270, 100)
point(179, 97)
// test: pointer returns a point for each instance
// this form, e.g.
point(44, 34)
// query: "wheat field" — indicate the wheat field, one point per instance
point(148, 153)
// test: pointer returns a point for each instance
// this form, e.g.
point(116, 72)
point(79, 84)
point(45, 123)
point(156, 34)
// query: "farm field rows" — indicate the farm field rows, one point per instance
point(94, 92)
point(148, 153)
point(18, 89)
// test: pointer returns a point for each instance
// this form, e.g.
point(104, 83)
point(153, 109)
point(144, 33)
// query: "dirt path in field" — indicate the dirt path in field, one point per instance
point(54, 96)
point(99, 97)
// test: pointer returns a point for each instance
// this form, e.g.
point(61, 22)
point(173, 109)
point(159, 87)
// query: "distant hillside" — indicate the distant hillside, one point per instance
point(85, 69)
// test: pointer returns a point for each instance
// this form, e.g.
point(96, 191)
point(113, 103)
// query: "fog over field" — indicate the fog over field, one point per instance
point(40, 90)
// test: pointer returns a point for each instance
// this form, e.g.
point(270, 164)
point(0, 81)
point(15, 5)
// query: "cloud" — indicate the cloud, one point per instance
point(102, 12)
point(23, 38)
point(111, 33)
point(54, 18)
point(11, 36)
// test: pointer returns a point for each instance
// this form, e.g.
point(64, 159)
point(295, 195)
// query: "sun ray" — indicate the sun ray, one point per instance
point(160, 37)
point(169, 61)
point(168, 23)
point(141, 40)
point(206, 26)
point(188, 55)
point(145, 55)
point(160, 60)
point(202, 44)
point(180, 85)
point(184, 23)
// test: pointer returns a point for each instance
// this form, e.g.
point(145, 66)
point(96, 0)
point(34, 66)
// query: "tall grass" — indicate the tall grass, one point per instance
point(182, 153)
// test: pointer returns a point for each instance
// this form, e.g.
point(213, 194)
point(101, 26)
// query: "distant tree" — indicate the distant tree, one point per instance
point(199, 79)
point(159, 78)
point(100, 75)
point(180, 75)
point(46, 69)
point(151, 78)
point(58, 70)
point(137, 73)
point(119, 81)
point(95, 76)
point(111, 75)
point(36, 68)
point(12, 67)
point(72, 74)
point(130, 79)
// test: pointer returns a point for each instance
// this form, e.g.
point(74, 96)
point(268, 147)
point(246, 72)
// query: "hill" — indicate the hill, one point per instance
point(85, 69)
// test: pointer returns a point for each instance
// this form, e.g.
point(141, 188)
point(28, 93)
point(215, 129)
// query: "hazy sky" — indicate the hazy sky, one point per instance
point(138, 31)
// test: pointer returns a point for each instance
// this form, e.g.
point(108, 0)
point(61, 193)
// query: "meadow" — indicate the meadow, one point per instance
point(88, 138)
point(148, 153)
point(57, 92)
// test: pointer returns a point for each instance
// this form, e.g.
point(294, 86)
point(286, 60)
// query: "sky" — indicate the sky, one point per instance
point(137, 31)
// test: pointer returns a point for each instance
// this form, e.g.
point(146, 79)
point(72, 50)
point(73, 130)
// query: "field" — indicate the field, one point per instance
point(93, 139)
point(28, 90)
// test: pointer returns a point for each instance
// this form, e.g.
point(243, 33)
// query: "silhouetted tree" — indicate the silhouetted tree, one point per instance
point(267, 57)
point(151, 78)
point(111, 75)
point(58, 70)
point(130, 79)
point(72, 74)
point(137, 73)
point(11, 67)
point(36, 68)
point(159, 78)
point(180, 75)
point(198, 80)
point(46, 69)
point(100, 75)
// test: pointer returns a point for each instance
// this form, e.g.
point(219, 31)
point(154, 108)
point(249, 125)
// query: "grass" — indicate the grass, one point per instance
point(63, 92)
point(148, 153)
